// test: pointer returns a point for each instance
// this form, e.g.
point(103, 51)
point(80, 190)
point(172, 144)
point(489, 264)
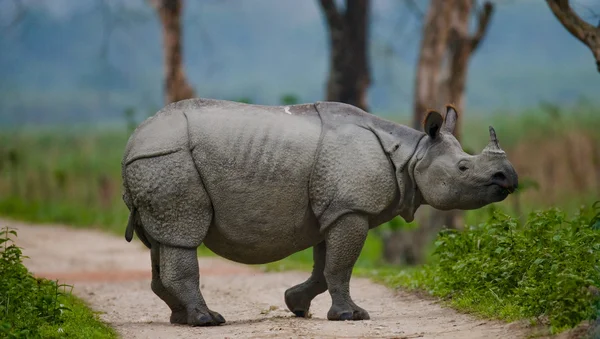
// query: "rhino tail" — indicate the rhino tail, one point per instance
point(132, 212)
point(134, 224)
point(130, 226)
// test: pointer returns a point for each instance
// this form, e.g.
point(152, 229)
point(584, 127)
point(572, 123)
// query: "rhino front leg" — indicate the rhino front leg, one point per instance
point(298, 298)
point(344, 242)
point(179, 274)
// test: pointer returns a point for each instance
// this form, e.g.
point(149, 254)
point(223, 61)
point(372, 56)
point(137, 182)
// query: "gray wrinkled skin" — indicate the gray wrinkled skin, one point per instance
point(258, 183)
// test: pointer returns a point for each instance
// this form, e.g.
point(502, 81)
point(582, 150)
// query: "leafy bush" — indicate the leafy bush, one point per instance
point(35, 307)
point(547, 269)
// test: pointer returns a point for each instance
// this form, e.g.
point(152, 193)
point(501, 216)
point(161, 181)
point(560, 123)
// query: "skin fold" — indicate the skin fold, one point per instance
point(258, 183)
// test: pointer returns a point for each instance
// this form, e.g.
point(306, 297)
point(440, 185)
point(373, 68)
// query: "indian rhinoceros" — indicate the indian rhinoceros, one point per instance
point(258, 183)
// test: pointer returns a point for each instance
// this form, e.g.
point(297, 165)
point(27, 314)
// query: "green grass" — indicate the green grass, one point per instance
point(80, 322)
point(33, 307)
point(65, 176)
point(546, 270)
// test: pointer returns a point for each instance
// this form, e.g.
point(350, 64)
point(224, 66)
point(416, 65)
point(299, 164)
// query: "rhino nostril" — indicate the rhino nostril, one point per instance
point(500, 179)
point(499, 176)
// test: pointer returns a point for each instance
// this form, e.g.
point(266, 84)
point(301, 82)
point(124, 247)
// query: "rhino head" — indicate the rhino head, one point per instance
point(448, 178)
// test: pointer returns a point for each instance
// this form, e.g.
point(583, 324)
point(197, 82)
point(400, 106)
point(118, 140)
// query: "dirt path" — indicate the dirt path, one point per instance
point(113, 276)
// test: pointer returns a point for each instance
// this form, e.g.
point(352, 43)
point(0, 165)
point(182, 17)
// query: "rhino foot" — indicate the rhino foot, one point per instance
point(352, 312)
point(179, 317)
point(298, 301)
point(217, 317)
point(203, 319)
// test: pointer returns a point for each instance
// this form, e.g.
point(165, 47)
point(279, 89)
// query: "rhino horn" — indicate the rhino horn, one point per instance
point(493, 147)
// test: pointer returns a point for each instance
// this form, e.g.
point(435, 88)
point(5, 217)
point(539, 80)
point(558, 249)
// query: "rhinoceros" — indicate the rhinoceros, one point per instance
point(258, 183)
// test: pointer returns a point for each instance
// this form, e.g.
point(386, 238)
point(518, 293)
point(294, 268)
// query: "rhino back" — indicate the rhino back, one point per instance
point(255, 163)
point(163, 133)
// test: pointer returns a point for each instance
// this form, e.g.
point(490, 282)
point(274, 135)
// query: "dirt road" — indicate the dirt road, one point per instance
point(113, 276)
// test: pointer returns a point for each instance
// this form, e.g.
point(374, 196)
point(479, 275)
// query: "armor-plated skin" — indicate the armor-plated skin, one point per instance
point(258, 183)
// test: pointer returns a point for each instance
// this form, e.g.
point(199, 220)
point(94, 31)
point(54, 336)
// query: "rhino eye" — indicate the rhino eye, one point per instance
point(463, 166)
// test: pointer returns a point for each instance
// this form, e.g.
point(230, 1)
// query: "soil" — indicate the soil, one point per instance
point(113, 277)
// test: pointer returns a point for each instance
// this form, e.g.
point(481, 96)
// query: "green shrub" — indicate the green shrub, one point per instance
point(33, 307)
point(547, 269)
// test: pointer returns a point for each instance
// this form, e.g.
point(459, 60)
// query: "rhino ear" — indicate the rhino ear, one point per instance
point(432, 124)
point(451, 117)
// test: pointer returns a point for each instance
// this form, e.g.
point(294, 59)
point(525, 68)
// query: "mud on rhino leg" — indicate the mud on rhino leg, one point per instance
point(298, 298)
point(344, 241)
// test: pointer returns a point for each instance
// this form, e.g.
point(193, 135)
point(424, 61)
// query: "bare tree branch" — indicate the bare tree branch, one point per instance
point(332, 15)
point(483, 21)
point(585, 32)
point(435, 36)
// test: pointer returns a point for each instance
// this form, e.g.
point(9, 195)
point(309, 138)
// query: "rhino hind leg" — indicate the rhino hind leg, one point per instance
point(344, 241)
point(168, 195)
point(179, 314)
point(175, 213)
point(176, 280)
point(298, 298)
point(180, 277)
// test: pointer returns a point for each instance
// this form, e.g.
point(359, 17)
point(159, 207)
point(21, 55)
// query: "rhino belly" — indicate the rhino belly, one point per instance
point(252, 230)
point(256, 164)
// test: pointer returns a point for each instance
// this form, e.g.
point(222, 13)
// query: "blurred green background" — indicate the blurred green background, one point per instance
point(77, 77)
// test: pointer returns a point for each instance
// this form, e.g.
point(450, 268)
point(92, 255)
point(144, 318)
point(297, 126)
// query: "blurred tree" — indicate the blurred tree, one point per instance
point(434, 41)
point(349, 75)
point(176, 86)
point(580, 29)
point(460, 47)
point(446, 48)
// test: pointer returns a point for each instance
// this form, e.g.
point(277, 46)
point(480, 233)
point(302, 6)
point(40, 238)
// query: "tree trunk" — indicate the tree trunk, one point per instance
point(434, 42)
point(430, 67)
point(446, 48)
point(461, 45)
point(176, 86)
point(580, 29)
point(452, 90)
point(349, 77)
point(457, 59)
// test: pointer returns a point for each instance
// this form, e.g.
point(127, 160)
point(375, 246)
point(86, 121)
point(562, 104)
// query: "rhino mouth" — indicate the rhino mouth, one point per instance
point(504, 188)
point(501, 180)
